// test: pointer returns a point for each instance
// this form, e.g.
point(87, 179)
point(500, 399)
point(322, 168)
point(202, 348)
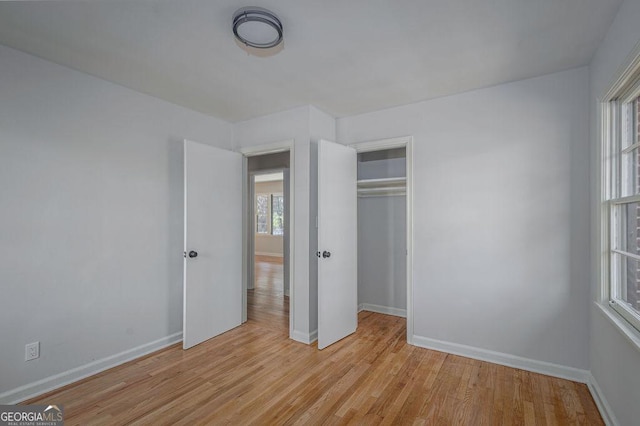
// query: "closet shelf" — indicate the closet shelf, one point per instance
point(382, 187)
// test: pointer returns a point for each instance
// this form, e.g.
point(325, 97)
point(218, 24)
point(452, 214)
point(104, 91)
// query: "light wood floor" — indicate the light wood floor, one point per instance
point(266, 303)
point(255, 375)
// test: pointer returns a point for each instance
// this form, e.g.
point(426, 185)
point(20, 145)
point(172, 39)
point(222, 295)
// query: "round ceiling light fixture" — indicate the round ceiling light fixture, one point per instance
point(257, 27)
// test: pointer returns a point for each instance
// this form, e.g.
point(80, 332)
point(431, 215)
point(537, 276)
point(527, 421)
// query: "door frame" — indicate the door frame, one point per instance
point(407, 143)
point(253, 151)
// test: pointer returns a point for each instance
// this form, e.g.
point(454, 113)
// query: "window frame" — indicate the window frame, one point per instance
point(615, 130)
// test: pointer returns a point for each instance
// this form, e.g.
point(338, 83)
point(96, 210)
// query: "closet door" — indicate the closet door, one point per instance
point(337, 242)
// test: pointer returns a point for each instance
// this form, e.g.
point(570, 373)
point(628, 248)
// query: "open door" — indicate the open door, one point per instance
point(212, 242)
point(337, 242)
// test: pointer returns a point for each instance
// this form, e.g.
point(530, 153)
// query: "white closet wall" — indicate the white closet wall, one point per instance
point(382, 240)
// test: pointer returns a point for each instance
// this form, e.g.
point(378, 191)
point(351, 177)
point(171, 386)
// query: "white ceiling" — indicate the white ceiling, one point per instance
point(345, 57)
point(269, 177)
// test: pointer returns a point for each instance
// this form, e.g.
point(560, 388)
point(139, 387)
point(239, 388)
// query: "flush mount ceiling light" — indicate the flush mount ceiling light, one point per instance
point(257, 27)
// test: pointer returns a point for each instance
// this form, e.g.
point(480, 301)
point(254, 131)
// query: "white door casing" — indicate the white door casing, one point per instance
point(212, 280)
point(287, 223)
point(337, 242)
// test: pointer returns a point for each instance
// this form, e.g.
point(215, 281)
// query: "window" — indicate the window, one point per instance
point(262, 214)
point(270, 214)
point(621, 125)
point(277, 214)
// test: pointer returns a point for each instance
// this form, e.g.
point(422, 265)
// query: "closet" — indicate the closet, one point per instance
point(382, 236)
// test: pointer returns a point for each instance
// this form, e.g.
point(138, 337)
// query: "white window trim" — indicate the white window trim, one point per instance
point(625, 88)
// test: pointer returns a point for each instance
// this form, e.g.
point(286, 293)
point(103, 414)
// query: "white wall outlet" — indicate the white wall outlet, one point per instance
point(32, 351)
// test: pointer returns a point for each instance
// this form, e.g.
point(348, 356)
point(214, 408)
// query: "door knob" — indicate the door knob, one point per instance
point(326, 254)
point(193, 254)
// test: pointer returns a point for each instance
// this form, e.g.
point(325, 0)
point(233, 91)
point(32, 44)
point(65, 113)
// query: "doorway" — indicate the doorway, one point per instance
point(267, 291)
point(385, 228)
point(382, 238)
point(358, 268)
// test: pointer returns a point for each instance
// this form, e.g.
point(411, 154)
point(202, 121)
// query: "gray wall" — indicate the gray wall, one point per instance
point(382, 241)
point(501, 235)
point(382, 235)
point(388, 168)
point(614, 359)
point(90, 216)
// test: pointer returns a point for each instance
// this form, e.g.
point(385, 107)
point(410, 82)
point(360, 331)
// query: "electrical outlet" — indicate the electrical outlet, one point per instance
point(32, 351)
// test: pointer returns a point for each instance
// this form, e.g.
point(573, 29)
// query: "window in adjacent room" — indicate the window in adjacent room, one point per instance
point(277, 214)
point(262, 214)
point(270, 214)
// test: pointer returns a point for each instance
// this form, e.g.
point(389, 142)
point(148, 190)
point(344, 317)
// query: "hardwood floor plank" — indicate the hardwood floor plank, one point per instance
point(254, 374)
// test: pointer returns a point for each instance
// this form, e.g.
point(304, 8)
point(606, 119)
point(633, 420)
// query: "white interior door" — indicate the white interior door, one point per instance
point(212, 242)
point(337, 243)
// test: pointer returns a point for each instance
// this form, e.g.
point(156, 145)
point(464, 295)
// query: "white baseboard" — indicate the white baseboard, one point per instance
point(547, 368)
point(50, 383)
point(382, 310)
point(601, 402)
point(306, 338)
point(264, 253)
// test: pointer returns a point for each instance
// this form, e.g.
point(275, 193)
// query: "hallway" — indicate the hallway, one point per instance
point(267, 306)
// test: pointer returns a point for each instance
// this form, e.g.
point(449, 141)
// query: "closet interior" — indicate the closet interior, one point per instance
point(382, 231)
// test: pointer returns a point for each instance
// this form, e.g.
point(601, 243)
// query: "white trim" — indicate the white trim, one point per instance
point(267, 148)
point(382, 144)
point(624, 253)
point(631, 147)
point(272, 148)
point(264, 253)
point(56, 381)
point(625, 200)
point(409, 191)
point(387, 310)
point(623, 75)
point(603, 210)
point(248, 232)
point(306, 338)
point(407, 143)
point(380, 193)
point(369, 183)
point(550, 369)
point(628, 331)
point(601, 402)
